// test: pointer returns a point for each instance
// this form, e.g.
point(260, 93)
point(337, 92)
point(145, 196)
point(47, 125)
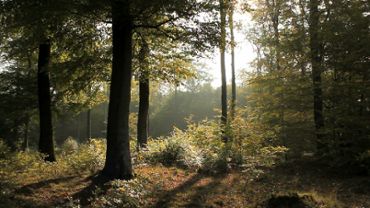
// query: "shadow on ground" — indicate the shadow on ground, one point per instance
point(196, 189)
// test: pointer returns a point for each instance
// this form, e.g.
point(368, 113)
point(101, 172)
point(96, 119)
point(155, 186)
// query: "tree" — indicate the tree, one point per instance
point(315, 47)
point(118, 158)
point(279, 90)
point(46, 143)
point(158, 60)
point(232, 48)
point(222, 45)
point(37, 24)
point(20, 11)
point(144, 91)
point(18, 102)
point(124, 21)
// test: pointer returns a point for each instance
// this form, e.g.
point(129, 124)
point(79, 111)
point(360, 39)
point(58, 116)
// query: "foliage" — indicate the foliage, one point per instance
point(200, 146)
point(174, 150)
point(279, 92)
point(128, 194)
point(69, 146)
point(88, 156)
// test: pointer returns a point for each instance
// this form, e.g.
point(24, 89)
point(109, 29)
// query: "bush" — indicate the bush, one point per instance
point(69, 146)
point(120, 193)
point(201, 146)
point(89, 156)
point(173, 150)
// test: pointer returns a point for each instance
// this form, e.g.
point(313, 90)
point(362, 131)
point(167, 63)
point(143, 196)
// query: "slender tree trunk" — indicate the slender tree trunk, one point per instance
point(223, 67)
point(118, 158)
point(275, 23)
point(142, 122)
point(88, 124)
point(25, 137)
point(46, 143)
point(275, 19)
point(233, 84)
point(143, 116)
point(316, 72)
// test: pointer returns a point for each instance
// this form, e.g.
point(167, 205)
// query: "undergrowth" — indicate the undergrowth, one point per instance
point(200, 147)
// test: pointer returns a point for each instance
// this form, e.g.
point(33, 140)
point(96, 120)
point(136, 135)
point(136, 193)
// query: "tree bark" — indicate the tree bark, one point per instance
point(25, 136)
point(223, 67)
point(46, 143)
point(233, 84)
point(316, 72)
point(118, 158)
point(143, 116)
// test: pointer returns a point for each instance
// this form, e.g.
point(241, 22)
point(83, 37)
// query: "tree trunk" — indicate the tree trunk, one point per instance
point(316, 72)
point(142, 122)
point(46, 143)
point(223, 68)
point(143, 116)
point(25, 137)
point(233, 84)
point(88, 125)
point(118, 159)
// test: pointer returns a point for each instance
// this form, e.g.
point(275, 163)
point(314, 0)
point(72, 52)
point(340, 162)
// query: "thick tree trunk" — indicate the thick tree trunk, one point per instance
point(46, 143)
point(316, 72)
point(88, 124)
point(223, 67)
point(233, 84)
point(143, 117)
point(118, 159)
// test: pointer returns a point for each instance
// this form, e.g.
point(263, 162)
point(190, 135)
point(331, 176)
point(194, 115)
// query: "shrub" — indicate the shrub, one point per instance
point(89, 156)
point(173, 150)
point(69, 146)
point(201, 146)
point(120, 193)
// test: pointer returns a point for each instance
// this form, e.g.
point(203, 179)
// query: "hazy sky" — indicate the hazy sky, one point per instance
point(244, 53)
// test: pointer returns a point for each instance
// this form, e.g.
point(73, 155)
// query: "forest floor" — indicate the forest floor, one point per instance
point(174, 187)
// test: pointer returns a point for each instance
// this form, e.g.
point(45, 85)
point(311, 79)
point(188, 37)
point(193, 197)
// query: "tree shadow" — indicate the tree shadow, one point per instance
point(28, 189)
point(198, 199)
point(166, 198)
point(97, 182)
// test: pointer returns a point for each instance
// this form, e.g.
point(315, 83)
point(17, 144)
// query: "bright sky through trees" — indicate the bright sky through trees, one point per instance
point(244, 53)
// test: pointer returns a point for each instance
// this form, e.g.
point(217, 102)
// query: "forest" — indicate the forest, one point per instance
point(136, 103)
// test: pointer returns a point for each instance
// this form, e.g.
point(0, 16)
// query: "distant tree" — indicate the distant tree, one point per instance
point(232, 4)
point(144, 92)
point(50, 27)
point(222, 46)
point(18, 102)
point(315, 47)
point(158, 59)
